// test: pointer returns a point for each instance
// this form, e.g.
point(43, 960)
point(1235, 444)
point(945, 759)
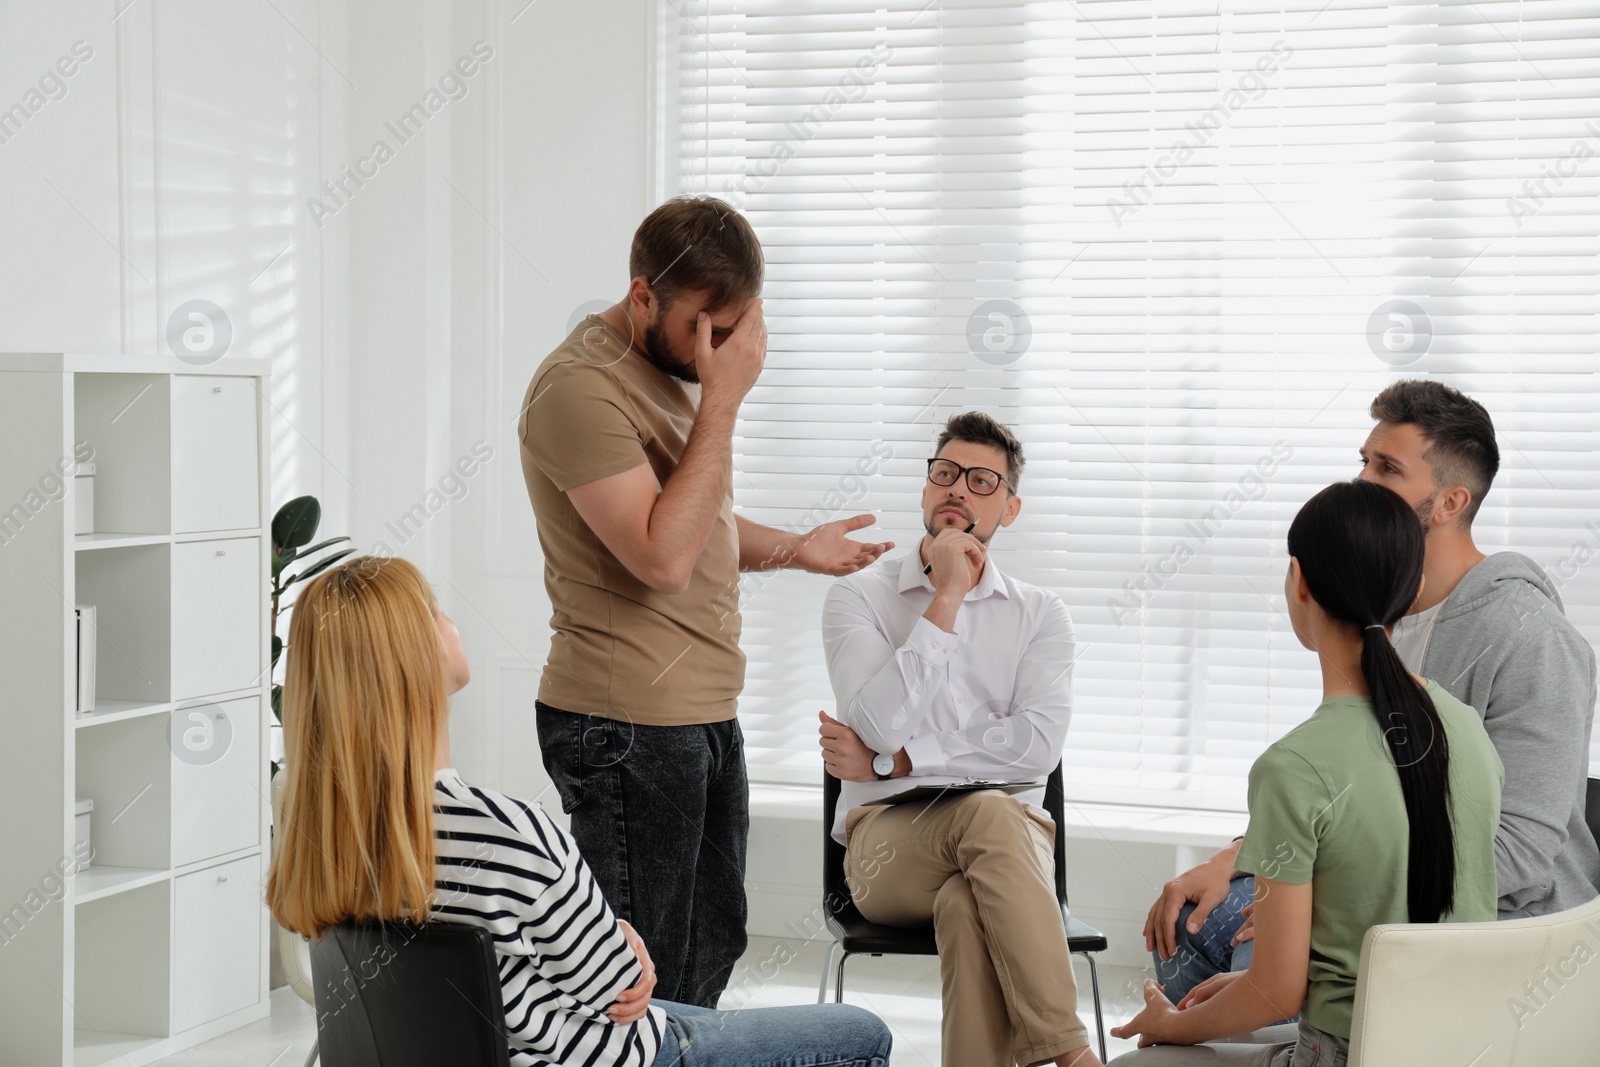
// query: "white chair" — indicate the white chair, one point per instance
point(1518, 993)
point(294, 951)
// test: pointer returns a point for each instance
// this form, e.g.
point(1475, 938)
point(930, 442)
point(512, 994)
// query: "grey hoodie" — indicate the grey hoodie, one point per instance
point(1502, 644)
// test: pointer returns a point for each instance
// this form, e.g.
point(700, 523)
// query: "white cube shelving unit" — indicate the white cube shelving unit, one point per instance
point(162, 941)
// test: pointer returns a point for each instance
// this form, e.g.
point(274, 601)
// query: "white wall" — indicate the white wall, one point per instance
point(404, 315)
point(167, 170)
point(549, 188)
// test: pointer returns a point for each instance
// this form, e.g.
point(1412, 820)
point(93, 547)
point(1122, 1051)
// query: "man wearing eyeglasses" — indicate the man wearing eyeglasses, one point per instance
point(947, 670)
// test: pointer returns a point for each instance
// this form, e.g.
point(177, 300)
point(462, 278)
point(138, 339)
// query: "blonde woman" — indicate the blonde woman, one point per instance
point(378, 825)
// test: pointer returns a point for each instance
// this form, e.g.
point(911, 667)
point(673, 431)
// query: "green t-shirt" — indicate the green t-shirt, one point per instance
point(1326, 808)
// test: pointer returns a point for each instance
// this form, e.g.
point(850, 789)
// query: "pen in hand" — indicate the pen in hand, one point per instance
point(970, 527)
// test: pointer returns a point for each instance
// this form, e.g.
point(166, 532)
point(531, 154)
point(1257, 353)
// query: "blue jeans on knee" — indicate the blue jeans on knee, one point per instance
point(1211, 951)
point(807, 1035)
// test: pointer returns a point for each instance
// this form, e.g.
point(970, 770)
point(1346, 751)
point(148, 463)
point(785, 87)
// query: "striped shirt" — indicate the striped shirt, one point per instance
point(506, 866)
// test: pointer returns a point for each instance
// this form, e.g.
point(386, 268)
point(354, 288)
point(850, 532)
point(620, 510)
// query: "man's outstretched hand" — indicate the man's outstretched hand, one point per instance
point(826, 549)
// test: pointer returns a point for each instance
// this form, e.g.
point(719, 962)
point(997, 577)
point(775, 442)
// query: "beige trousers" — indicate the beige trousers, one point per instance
point(979, 866)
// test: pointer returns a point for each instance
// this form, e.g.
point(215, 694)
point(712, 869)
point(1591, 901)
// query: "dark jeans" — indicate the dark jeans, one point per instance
point(662, 815)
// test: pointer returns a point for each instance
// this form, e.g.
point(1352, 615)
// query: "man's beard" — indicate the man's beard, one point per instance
point(659, 353)
point(1425, 514)
point(933, 531)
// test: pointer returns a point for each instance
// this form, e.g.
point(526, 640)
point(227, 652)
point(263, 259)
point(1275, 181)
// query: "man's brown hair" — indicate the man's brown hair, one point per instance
point(982, 428)
point(1460, 435)
point(698, 243)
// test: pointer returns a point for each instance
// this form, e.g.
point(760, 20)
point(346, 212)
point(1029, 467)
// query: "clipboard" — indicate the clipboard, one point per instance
point(954, 789)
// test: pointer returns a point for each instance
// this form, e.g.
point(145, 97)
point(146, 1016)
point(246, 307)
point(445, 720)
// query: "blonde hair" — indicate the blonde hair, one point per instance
point(364, 695)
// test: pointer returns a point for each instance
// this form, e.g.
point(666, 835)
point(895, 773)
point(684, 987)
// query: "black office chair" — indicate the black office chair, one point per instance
point(855, 936)
point(1592, 808)
point(402, 995)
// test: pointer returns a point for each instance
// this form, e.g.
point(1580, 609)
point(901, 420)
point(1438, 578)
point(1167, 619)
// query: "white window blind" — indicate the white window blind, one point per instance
point(1178, 247)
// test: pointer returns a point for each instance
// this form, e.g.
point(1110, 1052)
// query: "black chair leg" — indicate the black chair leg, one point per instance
point(837, 958)
point(1099, 1017)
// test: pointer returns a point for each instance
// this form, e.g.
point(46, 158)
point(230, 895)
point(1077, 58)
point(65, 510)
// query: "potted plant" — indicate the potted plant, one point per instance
point(293, 527)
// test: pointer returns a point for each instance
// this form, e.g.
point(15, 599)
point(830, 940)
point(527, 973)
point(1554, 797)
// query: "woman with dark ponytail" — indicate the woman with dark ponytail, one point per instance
point(1379, 808)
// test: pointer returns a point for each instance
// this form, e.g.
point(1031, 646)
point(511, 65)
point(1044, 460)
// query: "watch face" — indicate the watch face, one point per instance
point(883, 764)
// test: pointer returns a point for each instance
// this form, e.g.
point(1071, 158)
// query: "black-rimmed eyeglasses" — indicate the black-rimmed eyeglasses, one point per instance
point(981, 480)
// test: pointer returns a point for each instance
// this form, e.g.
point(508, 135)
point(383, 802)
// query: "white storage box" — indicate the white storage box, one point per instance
point(88, 626)
point(80, 831)
point(83, 495)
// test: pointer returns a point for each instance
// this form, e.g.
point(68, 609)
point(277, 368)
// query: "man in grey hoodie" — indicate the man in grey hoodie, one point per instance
point(1491, 630)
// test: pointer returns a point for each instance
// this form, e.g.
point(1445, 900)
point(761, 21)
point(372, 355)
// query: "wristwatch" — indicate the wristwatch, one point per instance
point(883, 766)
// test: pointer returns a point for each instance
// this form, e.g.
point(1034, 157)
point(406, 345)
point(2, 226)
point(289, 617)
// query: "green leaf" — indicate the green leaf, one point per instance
point(277, 703)
point(295, 524)
point(318, 547)
point(317, 568)
point(277, 648)
point(289, 555)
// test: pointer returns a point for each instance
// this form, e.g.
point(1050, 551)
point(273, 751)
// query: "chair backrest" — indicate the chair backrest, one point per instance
point(1055, 805)
point(1592, 809)
point(836, 895)
point(1491, 994)
point(403, 995)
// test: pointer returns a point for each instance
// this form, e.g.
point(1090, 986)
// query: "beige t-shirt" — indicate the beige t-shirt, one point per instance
point(621, 649)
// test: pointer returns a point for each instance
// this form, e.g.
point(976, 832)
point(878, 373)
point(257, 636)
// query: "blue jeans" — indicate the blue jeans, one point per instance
point(662, 815)
point(1210, 952)
point(807, 1035)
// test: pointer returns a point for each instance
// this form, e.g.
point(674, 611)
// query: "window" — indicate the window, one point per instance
point(1178, 247)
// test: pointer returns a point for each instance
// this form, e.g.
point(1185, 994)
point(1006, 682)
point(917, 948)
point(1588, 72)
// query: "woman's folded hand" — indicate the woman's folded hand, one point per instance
point(631, 1004)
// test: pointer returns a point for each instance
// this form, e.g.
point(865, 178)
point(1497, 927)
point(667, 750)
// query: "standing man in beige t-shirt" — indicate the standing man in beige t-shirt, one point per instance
point(626, 434)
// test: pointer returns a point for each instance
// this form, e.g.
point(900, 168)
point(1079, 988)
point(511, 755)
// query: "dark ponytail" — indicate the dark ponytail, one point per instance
point(1360, 549)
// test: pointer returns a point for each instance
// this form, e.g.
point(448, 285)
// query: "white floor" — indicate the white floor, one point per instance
point(903, 991)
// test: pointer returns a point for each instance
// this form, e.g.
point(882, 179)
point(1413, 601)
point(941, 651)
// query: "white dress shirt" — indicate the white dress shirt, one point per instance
point(990, 701)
